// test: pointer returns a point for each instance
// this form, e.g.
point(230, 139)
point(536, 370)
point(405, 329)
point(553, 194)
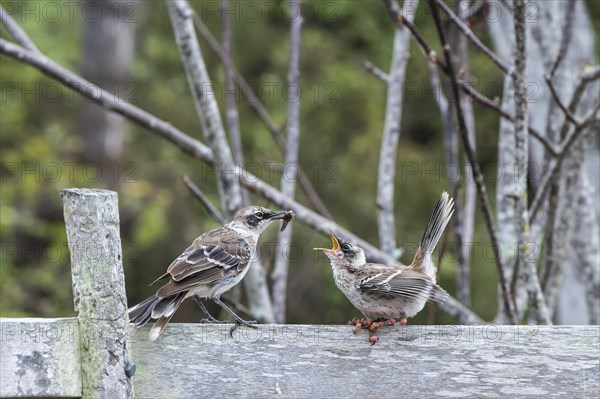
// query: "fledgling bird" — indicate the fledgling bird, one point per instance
point(215, 262)
point(390, 293)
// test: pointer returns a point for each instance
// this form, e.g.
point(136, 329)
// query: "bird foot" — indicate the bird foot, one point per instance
point(376, 325)
point(359, 324)
point(373, 339)
point(244, 323)
point(403, 321)
point(391, 322)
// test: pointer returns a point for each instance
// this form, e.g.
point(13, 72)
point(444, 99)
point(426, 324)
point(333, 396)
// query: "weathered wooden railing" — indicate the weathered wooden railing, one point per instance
point(97, 354)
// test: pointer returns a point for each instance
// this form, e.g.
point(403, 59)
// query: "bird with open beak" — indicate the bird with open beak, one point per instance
point(386, 294)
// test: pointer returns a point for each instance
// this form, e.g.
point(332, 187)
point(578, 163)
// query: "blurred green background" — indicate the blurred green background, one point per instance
point(342, 111)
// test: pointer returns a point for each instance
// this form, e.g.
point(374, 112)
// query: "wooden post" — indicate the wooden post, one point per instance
point(92, 222)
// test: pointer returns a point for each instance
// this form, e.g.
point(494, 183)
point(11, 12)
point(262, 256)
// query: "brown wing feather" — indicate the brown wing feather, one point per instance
point(197, 279)
point(221, 248)
point(400, 282)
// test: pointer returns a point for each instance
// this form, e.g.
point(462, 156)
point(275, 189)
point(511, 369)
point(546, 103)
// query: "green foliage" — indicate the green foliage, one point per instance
point(342, 113)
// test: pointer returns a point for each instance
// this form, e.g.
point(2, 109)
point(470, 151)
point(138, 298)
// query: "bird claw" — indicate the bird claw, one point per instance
point(244, 323)
point(402, 321)
point(373, 339)
point(375, 326)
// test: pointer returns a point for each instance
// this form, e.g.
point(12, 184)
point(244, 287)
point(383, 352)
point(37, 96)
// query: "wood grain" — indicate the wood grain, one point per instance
point(318, 361)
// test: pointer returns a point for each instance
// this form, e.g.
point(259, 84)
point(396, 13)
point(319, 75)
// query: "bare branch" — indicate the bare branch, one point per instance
point(564, 109)
point(263, 115)
point(210, 208)
point(524, 238)
point(483, 100)
point(470, 152)
point(426, 48)
point(400, 19)
point(391, 130)
point(373, 70)
point(566, 37)
point(205, 101)
point(199, 151)
point(212, 126)
point(288, 182)
point(108, 101)
point(464, 216)
point(232, 115)
point(554, 168)
point(476, 13)
point(16, 31)
point(470, 35)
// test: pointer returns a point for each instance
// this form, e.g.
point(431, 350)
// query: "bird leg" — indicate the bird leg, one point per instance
point(209, 318)
point(238, 319)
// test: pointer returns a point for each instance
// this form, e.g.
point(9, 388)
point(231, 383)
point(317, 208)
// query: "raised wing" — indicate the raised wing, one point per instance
point(401, 282)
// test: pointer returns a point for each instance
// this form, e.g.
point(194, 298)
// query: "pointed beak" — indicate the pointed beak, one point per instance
point(335, 243)
point(280, 215)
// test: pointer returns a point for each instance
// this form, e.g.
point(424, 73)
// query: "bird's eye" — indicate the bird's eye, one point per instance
point(259, 215)
point(346, 247)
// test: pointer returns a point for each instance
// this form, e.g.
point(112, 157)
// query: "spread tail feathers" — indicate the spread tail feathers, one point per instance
point(437, 223)
point(155, 308)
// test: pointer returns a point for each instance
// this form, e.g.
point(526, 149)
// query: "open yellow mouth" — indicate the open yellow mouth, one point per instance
point(335, 243)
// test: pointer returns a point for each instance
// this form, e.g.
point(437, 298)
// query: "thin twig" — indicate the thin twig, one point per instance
point(470, 152)
point(559, 102)
point(477, 13)
point(554, 168)
point(426, 48)
point(470, 35)
point(586, 78)
point(373, 70)
point(549, 178)
point(210, 208)
point(198, 150)
point(400, 19)
point(567, 30)
point(483, 100)
point(16, 31)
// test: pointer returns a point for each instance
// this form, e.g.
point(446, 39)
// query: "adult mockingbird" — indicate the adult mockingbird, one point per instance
point(390, 293)
point(215, 262)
